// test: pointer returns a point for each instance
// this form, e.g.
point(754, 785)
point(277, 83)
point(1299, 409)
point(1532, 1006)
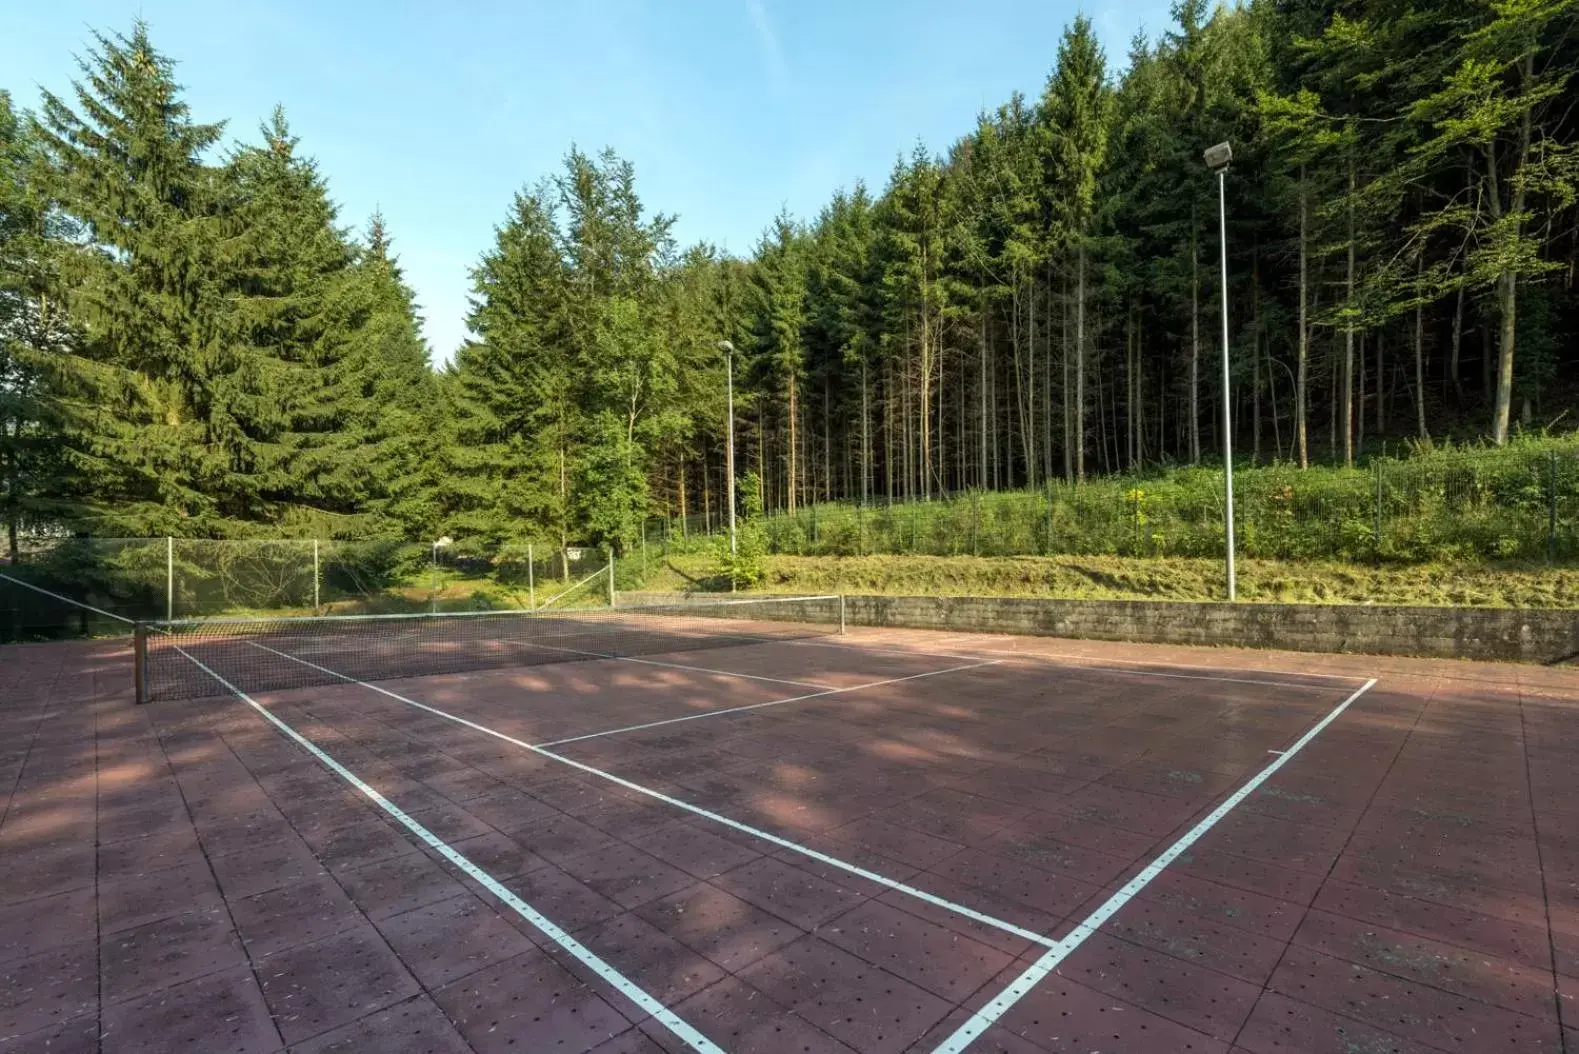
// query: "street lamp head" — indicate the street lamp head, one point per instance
point(1218, 157)
point(725, 345)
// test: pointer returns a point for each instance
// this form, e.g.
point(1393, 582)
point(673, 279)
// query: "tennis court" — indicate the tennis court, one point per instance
point(746, 830)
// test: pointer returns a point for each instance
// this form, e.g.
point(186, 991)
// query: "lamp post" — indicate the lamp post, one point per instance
point(729, 445)
point(1217, 159)
point(442, 543)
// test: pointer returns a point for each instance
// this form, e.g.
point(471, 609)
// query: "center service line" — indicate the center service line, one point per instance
point(1064, 947)
point(755, 832)
point(694, 1039)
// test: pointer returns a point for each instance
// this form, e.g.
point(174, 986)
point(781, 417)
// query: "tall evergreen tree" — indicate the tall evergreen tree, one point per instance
point(1078, 109)
point(154, 388)
point(36, 479)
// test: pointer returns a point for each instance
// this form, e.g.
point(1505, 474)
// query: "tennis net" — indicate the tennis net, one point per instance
point(183, 658)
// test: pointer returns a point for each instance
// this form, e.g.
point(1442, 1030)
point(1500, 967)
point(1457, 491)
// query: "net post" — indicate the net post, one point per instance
point(317, 608)
point(531, 580)
point(841, 614)
point(169, 578)
point(611, 576)
point(140, 662)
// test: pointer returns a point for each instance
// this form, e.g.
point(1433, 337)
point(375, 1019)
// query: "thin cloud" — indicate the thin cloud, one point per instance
point(778, 69)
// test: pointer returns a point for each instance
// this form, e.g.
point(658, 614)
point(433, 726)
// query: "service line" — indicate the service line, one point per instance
point(708, 814)
point(649, 1005)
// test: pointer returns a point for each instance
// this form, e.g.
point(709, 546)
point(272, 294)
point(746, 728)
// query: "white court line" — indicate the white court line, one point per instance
point(1149, 667)
point(1264, 682)
point(694, 1039)
point(785, 843)
point(1107, 665)
point(668, 665)
point(1060, 950)
point(758, 706)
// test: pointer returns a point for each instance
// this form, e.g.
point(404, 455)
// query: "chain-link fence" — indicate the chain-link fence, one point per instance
point(1497, 505)
point(163, 578)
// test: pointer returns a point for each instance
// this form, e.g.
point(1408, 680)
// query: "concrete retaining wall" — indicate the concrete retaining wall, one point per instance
point(1495, 634)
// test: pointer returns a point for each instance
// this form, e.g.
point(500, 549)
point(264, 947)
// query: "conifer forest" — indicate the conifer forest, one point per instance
point(195, 343)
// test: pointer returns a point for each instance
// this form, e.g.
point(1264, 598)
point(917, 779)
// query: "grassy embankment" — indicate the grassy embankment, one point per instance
point(1167, 578)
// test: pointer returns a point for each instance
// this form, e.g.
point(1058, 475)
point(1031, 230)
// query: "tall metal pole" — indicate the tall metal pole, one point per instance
point(1228, 426)
point(169, 578)
point(316, 578)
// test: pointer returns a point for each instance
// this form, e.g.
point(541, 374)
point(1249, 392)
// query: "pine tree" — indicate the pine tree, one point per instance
point(36, 479)
point(387, 412)
point(288, 265)
point(1078, 111)
point(152, 390)
point(778, 347)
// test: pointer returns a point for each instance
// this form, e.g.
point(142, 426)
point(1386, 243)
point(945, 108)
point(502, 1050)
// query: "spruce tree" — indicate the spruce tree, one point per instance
point(151, 391)
point(37, 482)
point(512, 389)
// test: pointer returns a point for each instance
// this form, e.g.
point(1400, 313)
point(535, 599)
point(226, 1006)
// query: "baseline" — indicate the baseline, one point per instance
point(1130, 667)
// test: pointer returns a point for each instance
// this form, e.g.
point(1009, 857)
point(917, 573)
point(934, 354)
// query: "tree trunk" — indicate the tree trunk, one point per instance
point(1140, 392)
point(1507, 305)
point(1195, 349)
point(1359, 380)
point(1130, 423)
point(1271, 401)
point(1348, 338)
point(1381, 384)
point(1302, 374)
point(866, 437)
point(827, 443)
point(1420, 358)
point(1458, 336)
point(924, 402)
point(1047, 373)
point(1507, 281)
point(1032, 457)
point(1080, 366)
point(707, 498)
point(888, 431)
point(682, 496)
point(794, 413)
point(984, 420)
point(1255, 357)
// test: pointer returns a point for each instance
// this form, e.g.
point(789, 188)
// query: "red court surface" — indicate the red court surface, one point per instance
point(921, 842)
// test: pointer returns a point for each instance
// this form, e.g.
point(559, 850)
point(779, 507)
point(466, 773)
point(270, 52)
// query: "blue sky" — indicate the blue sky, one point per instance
point(437, 113)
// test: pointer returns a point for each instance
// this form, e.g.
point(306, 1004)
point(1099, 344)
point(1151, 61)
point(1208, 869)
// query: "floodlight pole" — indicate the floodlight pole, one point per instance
point(729, 445)
point(441, 543)
point(1218, 157)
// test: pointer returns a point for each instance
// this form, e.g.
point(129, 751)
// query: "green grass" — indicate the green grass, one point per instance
point(1500, 584)
point(1440, 506)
